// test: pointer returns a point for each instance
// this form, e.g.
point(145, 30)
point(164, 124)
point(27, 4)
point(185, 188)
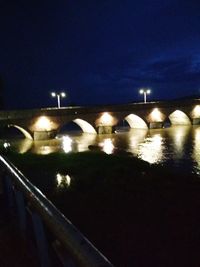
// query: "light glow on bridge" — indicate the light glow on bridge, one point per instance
point(43, 124)
point(136, 122)
point(85, 126)
point(106, 119)
point(179, 118)
point(156, 115)
point(197, 111)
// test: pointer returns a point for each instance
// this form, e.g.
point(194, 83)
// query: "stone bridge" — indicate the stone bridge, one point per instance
point(45, 123)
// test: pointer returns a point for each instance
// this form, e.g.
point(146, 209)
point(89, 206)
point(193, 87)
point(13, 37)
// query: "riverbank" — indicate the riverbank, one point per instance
point(137, 214)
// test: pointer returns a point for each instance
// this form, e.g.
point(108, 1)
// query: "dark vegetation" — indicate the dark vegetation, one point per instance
point(137, 214)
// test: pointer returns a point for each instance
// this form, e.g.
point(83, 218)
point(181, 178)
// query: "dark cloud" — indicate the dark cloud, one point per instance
point(171, 71)
point(171, 77)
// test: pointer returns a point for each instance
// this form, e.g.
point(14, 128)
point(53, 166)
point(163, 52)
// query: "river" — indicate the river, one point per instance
point(176, 146)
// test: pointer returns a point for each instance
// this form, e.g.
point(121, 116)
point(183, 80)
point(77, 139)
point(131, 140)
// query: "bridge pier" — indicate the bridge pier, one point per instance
point(44, 135)
point(105, 129)
point(195, 121)
point(156, 125)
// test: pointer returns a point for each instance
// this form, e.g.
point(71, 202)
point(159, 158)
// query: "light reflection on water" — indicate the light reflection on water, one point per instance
point(176, 145)
point(63, 180)
point(152, 149)
point(107, 146)
point(196, 150)
point(180, 137)
point(67, 144)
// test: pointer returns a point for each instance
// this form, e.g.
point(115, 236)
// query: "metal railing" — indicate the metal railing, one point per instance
point(52, 230)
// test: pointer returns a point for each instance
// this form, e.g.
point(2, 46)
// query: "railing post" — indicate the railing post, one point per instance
point(41, 242)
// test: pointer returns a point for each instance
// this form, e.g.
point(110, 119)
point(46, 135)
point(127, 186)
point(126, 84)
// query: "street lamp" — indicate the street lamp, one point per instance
point(62, 94)
point(145, 92)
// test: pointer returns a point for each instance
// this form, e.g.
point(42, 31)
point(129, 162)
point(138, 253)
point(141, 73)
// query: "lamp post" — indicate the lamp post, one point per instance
point(58, 95)
point(145, 92)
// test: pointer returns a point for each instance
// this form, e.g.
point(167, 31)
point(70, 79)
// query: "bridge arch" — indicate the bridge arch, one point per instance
point(85, 126)
point(136, 122)
point(22, 130)
point(179, 117)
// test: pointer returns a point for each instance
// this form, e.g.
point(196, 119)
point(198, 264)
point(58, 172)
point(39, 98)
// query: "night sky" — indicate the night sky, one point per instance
point(98, 51)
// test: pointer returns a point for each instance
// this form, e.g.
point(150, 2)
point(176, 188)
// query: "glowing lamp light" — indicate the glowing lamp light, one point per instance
point(145, 92)
point(156, 115)
point(63, 94)
point(60, 95)
point(43, 124)
point(106, 119)
point(142, 91)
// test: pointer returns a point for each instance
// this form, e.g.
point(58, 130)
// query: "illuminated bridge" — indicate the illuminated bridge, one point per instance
point(45, 123)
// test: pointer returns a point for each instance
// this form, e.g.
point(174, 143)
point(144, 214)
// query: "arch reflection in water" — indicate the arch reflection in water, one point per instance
point(77, 143)
point(84, 140)
point(22, 146)
point(46, 147)
point(63, 180)
point(35, 147)
point(151, 150)
point(45, 150)
point(136, 136)
point(179, 136)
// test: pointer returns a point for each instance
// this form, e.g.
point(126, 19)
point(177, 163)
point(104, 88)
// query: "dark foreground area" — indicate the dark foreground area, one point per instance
point(14, 249)
point(136, 214)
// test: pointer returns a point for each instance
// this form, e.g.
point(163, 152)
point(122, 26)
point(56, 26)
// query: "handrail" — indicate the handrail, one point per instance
point(77, 245)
